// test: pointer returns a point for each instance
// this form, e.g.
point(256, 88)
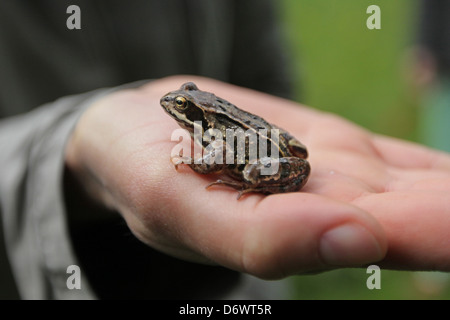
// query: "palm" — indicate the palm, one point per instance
point(404, 186)
point(357, 179)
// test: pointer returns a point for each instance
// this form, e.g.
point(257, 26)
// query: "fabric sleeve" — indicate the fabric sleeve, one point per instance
point(434, 32)
point(31, 199)
point(260, 60)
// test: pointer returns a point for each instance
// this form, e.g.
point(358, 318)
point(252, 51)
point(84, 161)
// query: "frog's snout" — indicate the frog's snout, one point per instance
point(165, 99)
point(165, 102)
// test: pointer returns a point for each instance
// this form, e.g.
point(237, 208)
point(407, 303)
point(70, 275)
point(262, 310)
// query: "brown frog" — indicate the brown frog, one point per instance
point(190, 106)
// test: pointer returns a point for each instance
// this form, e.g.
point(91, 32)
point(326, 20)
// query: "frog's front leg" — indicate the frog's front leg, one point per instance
point(208, 163)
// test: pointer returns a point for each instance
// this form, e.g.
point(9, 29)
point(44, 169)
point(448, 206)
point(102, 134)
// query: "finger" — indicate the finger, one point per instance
point(416, 227)
point(405, 154)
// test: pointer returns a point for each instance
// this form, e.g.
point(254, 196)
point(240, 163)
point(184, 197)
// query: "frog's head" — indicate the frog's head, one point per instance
point(184, 105)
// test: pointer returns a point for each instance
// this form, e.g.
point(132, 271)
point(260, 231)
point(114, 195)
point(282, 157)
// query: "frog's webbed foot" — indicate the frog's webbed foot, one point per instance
point(177, 160)
point(241, 187)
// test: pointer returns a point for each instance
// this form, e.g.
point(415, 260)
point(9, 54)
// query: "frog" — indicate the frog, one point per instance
point(190, 106)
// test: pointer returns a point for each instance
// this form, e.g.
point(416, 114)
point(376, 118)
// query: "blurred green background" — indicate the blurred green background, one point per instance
point(363, 75)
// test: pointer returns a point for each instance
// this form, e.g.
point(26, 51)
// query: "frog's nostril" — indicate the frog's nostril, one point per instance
point(165, 100)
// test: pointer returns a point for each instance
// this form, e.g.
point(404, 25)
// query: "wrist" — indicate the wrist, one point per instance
point(79, 172)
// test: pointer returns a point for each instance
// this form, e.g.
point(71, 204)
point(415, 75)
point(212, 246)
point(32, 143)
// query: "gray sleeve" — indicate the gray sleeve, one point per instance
point(434, 31)
point(31, 200)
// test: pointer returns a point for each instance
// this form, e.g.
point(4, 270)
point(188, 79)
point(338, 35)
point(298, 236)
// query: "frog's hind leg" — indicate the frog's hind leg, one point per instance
point(241, 187)
point(233, 184)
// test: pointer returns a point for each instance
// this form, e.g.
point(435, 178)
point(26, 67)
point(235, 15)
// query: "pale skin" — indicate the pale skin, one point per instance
point(369, 199)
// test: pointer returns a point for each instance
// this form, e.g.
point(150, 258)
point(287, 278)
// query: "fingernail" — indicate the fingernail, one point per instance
point(348, 245)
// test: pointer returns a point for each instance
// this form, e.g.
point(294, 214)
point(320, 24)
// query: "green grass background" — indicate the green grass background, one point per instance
point(343, 67)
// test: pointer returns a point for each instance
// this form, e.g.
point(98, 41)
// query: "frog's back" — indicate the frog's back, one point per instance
point(222, 114)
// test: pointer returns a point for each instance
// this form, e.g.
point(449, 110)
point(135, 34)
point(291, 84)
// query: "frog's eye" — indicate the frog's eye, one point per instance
point(180, 103)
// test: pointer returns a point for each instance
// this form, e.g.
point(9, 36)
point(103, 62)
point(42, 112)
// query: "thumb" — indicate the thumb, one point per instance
point(295, 233)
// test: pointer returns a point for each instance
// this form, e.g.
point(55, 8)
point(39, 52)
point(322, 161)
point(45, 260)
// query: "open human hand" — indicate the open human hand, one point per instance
point(369, 198)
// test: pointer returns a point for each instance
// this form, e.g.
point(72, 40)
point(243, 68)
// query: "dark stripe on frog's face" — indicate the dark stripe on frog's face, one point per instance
point(184, 113)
